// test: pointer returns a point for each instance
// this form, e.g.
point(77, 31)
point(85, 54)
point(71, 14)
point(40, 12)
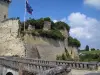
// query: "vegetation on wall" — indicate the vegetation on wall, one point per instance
point(73, 42)
point(60, 25)
point(54, 33)
point(65, 56)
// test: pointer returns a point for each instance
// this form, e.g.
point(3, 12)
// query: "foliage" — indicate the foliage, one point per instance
point(64, 56)
point(47, 19)
point(90, 52)
point(39, 23)
point(92, 49)
point(53, 33)
point(87, 48)
point(60, 25)
point(90, 55)
point(73, 42)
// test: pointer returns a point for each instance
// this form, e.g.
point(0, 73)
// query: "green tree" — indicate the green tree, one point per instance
point(47, 19)
point(39, 23)
point(61, 25)
point(73, 42)
point(92, 49)
point(63, 57)
point(87, 48)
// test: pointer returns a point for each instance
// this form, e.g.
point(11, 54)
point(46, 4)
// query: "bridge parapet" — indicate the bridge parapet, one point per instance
point(72, 64)
point(36, 68)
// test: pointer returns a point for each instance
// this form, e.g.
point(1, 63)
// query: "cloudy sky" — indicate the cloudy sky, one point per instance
point(83, 16)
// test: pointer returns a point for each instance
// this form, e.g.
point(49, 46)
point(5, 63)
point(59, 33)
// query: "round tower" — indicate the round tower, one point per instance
point(4, 5)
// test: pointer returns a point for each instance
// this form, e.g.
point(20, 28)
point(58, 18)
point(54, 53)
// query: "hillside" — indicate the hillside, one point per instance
point(90, 52)
point(90, 55)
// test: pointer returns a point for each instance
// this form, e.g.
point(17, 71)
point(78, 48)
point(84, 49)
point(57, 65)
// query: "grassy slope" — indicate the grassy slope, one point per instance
point(91, 52)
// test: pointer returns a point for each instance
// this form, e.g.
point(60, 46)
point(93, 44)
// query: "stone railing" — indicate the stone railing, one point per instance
point(72, 64)
point(37, 68)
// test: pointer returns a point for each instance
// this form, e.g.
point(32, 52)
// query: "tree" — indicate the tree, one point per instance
point(39, 23)
point(73, 42)
point(60, 25)
point(47, 19)
point(92, 49)
point(87, 48)
point(63, 57)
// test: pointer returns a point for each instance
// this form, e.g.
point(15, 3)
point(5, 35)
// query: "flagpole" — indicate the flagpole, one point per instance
point(24, 26)
point(25, 16)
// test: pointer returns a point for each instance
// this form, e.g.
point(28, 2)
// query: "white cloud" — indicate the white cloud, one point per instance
point(79, 32)
point(55, 21)
point(64, 20)
point(93, 3)
point(83, 26)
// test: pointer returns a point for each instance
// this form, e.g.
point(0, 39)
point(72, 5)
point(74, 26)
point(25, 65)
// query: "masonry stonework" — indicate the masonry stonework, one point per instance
point(10, 44)
point(4, 4)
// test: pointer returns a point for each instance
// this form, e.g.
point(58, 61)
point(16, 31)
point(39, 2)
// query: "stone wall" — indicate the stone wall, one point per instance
point(10, 44)
point(3, 10)
point(73, 51)
point(47, 48)
point(35, 46)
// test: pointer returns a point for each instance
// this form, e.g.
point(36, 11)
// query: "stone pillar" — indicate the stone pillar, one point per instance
point(47, 25)
point(21, 68)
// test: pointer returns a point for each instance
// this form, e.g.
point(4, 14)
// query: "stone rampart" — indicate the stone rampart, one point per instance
point(10, 44)
point(46, 48)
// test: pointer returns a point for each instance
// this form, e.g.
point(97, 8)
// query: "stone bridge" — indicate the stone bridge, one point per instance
point(29, 66)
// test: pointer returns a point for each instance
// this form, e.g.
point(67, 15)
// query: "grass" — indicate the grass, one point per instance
point(91, 52)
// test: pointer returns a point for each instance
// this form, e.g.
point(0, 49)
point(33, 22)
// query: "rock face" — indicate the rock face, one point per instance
point(10, 44)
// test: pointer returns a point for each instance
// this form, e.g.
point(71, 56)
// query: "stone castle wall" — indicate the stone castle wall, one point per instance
point(10, 44)
point(35, 46)
point(3, 10)
point(45, 48)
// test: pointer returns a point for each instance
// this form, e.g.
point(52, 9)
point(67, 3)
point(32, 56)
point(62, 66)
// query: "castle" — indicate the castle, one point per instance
point(31, 46)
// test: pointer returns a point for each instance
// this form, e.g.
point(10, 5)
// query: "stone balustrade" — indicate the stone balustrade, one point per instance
point(28, 66)
point(32, 67)
point(72, 64)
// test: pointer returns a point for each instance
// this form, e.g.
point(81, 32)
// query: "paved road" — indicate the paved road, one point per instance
point(84, 72)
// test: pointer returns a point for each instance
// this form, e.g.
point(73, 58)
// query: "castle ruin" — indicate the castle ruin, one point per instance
point(31, 46)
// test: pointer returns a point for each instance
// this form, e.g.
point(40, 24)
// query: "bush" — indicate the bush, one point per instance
point(73, 42)
point(60, 25)
point(88, 58)
point(52, 34)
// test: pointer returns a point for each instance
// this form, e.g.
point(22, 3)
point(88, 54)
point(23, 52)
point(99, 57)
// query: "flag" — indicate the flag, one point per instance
point(28, 8)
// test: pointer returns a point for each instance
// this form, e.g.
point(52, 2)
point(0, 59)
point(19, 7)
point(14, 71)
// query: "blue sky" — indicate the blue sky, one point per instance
point(82, 15)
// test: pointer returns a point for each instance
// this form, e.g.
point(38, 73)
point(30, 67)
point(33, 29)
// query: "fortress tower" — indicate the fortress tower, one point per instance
point(4, 4)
